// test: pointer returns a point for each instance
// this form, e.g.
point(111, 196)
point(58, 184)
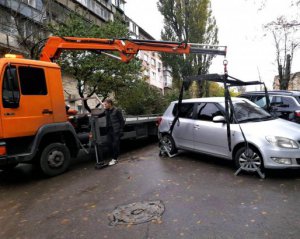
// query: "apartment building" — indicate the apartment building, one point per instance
point(22, 20)
point(154, 71)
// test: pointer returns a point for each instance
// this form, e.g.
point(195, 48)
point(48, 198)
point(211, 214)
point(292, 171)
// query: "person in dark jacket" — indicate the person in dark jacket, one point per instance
point(114, 125)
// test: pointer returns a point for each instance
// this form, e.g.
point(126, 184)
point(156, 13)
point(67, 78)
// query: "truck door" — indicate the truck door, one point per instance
point(25, 101)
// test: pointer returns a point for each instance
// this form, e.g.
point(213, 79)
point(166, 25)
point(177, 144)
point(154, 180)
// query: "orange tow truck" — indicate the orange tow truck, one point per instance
point(33, 120)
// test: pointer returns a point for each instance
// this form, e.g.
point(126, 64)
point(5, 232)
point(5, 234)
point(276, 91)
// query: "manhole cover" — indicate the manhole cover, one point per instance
point(136, 213)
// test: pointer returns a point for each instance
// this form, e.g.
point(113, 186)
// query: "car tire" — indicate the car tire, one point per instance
point(255, 158)
point(168, 141)
point(55, 159)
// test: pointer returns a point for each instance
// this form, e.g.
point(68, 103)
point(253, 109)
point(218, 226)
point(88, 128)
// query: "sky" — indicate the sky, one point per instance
point(250, 51)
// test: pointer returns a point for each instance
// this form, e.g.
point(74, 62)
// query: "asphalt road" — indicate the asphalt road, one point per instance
point(201, 195)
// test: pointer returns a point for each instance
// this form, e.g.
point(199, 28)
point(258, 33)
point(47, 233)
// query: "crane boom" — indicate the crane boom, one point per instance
point(127, 48)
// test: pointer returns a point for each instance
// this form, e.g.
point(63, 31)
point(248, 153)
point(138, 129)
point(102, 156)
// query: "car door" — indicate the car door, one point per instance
point(284, 106)
point(210, 137)
point(184, 127)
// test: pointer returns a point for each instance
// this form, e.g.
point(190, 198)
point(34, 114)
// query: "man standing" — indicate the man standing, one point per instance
point(114, 125)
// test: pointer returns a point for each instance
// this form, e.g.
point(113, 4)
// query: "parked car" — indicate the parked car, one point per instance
point(201, 127)
point(284, 104)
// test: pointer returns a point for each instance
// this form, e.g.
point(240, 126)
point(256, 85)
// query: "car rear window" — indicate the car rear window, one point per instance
point(186, 110)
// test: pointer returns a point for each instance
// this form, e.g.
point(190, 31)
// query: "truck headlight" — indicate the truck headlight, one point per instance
point(282, 142)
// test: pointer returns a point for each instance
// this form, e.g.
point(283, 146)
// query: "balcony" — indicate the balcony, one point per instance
point(24, 9)
point(168, 85)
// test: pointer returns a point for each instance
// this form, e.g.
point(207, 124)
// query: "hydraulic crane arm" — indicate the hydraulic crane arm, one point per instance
point(127, 48)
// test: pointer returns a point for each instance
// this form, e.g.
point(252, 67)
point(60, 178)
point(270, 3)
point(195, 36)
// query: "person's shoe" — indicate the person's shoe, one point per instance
point(113, 162)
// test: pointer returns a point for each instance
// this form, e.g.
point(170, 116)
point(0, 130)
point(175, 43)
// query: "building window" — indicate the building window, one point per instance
point(7, 23)
point(83, 2)
point(153, 63)
point(146, 58)
point(159, 67)
point(119, 4)
point(32, 3)
point(57, 12)
point(27, 29)
point(153, 75)
point(79, 108)
point(95, 7)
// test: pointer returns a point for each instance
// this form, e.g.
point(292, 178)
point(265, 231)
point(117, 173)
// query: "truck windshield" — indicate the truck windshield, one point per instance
point(248, 112)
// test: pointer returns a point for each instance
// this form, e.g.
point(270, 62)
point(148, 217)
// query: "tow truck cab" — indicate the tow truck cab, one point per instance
point(32, 110)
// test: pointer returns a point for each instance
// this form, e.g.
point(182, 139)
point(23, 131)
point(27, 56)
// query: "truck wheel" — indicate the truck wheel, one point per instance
point(168, 143)
point(55, 159)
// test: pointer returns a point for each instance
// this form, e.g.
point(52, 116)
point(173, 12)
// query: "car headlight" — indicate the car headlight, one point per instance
point(282, 142)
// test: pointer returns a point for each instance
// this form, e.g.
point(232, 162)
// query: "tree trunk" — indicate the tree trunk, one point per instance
point(280, 75)
point(287, 71)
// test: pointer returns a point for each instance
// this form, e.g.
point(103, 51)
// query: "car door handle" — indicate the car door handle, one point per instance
point(47, 111)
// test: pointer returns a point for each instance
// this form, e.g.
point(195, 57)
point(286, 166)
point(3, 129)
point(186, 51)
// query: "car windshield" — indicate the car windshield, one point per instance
point(249, 112)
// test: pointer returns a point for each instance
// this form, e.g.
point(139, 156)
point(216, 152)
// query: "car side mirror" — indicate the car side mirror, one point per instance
point(219, 119)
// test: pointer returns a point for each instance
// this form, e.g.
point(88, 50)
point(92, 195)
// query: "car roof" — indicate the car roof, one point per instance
point(273, 92)
point(210, 99)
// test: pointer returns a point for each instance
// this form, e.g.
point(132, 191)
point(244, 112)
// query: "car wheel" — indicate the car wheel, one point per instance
point(250, 160)
point(55, 159)
point(168, 143)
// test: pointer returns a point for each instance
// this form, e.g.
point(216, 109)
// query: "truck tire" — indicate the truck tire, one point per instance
point(55, 159)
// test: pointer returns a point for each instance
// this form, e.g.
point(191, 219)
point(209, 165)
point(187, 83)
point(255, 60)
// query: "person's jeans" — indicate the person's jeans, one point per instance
point(113, 143)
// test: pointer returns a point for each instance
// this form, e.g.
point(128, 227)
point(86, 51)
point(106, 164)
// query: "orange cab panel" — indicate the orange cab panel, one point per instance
point(28, 94)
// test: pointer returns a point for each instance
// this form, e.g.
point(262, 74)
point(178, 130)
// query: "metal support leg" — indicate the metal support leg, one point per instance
point(164, 150)
point(96, 142)
point(250, 167)
point(250, 164)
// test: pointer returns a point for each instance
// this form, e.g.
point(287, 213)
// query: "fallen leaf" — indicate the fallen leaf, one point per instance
point(65, 221)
